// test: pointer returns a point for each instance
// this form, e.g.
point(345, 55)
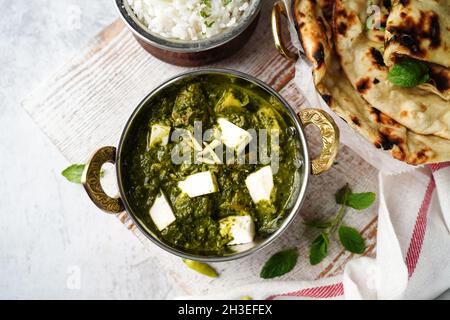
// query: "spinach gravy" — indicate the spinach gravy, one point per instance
point(204, 204)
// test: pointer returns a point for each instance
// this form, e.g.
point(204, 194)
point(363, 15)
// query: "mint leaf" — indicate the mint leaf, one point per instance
point(358, 201)
point(361, 201)
point(319, 249)
point(279, 264)
point(73, 173)
point(351, 239)
point(409, 73)
point(342, 194)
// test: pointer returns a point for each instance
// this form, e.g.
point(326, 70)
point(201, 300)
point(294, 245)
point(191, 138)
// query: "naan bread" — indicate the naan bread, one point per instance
point(420, 29)
point(316, 40)
point(362, 60)
point(378, 128)
point(439, 83)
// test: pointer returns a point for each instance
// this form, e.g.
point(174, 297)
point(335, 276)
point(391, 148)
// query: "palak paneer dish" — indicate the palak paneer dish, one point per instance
point(187, 189)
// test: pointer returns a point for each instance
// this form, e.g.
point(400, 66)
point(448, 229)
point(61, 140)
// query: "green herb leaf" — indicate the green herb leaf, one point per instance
point(319, 249)
point(409, 73)
point(209, 24)
point(204, 14)
point(351, 239)
point(361, 201)
point(342, 194)
point(358, 201)
point(73, 173)
point(207, 3)
point(320, 224)
point(201, 268)
point(279, 264)
point(226, 2)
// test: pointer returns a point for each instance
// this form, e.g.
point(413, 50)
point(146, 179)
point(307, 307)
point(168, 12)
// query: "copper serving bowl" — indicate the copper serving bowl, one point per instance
point(191, 53)
point(296, 122)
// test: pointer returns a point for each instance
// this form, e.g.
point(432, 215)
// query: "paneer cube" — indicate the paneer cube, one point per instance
point(161, 212)
point(199, 184)
point(160, 135)
point(260, 184)
point(241, 229)
point(233, 136)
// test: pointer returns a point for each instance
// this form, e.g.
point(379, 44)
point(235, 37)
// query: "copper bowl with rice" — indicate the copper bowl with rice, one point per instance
point(198, 49)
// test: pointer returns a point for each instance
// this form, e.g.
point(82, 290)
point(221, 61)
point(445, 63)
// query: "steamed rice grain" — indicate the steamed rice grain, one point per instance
point(190, 19)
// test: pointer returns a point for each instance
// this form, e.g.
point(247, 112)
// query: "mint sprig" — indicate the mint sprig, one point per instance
point(279, 264)
point(350, 238)
point(358, 201)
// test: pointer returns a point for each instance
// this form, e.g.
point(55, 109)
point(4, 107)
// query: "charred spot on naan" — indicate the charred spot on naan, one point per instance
point(376, 58)
point(342, 28)
point(423, 156)
point(376, 114)
point(387, 4)
point(388, 139)
point(343, 20)
point(322, 25)
point(383, 21)
point(363, 85)
point(440, 77)
point(383, 142)
point(319, 55)
point(355, 120)
point(380, 118)
point(412, 34)
point(327, 8)
point(327, 98)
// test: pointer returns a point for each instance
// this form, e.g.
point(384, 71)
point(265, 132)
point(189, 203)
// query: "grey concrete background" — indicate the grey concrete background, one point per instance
point(50, 242)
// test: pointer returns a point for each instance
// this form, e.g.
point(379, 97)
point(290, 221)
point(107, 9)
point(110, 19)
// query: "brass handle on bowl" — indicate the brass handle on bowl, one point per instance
point(330, 138)
point(91, 181)
point(279, 9)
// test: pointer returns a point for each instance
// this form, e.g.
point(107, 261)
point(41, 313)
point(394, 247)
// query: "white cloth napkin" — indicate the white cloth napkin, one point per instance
point(413, 240)
point(413, 247)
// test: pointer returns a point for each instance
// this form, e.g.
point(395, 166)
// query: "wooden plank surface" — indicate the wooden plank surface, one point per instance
point(86, 104)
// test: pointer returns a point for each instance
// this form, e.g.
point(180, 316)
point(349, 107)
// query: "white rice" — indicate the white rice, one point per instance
point(190, 19)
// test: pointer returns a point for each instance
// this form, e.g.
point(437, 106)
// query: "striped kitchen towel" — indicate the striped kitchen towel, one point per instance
point(413, 247)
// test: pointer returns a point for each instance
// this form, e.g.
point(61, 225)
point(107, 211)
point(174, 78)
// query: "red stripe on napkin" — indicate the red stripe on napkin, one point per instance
point(412, 256)
point(418, 235)
point(322, 292)
point(438, 166)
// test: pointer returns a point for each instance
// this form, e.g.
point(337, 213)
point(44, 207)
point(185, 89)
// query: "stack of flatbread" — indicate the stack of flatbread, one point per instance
point(355, 45)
